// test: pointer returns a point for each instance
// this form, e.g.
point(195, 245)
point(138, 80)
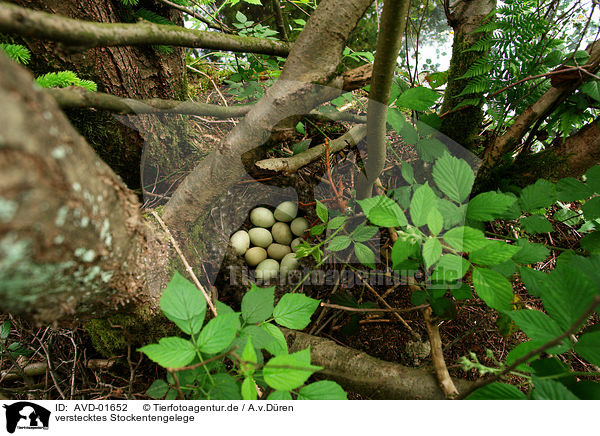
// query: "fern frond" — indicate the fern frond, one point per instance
point(479, 67)
point(18, 53)
point(152, 17)
point(478, 85)
point(130, 2)
point(62, 79)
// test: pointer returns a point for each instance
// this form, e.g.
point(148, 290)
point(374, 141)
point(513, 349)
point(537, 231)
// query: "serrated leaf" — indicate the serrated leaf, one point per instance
point(453, 214)
point(294, 310)
point(430, 149)
point(435, 221)
point(465, 239)
point(493, 253)
point(224, 387)
point(322, 212)
point(497, 391)
point(339, 243)
point(279, 396)
point(546, 389)
point(317, 230)
point(522, 350)
point(301, 146)
point(592, 88)
point(570, 189)
point(249, 387)
point(536, 224)
point(279, 345)
point(541, 194)
point(493, 289)
point(158, 389)
point(396, 119)
point(423, 200)
point(289, 371)
point(218, 333)
point(588, 347)
point(364, 254)
point(537, 325)
point(183, 303)
point(383, 211)
point(530, 252)
point(535, 281)
point(257, 304)
point(171, 352)
point(450, 268)
point(454, 177)
point(432, 250)
point(464, 292)
point(407, 173)
point(592, 178)
point(336, 222)
point(322, 390)
point(402, 250)
point(591, 208)
point(489, 206)
point(5, 329)
point(364, 233)
point(417, 99)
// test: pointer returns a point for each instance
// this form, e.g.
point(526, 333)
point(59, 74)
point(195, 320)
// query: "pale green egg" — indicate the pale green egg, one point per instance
point(262, 217)
point(286, 211)
point(289, 263)
point(299, 226)
point(255, 255)
point(282, 233)
point(260, 237)
point(240, 241)
point(277, 251)
point(267, 269)
point(295, 243)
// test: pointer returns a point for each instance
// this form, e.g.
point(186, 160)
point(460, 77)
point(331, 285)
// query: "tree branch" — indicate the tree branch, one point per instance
point(85, 35)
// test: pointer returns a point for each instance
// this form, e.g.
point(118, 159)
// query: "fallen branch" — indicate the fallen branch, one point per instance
point(437, 355)
point(84, 35)
point(371, 377)
point(294, 163)
point(371, 310)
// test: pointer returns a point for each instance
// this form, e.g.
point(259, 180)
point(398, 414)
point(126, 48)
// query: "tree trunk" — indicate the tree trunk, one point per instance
point(72, 239)
point(463, 125)
point(135, 72)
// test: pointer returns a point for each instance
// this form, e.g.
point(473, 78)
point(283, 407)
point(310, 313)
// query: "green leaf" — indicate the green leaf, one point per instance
point(536, 224)
point(218, 333)
point(454, 177)
point(591, 88)
point(570, 189)
point(158, 389)
point(5, 329)
point(383, 211)
point(317, 230)
point(336, 222)
point(535, 281)
point(588, 347)
point(489, 206)
point(591, 208)
point(183, 303)
point(249, 386)
point(364, 254)
point(279, 396)
point(423, 200)
point(171, 352)
point(465, 239)
point(224, 387)
point(432, 250)
point(402, 250)
point(396, 119)
point(497, 391)
point(294, 310)
point(453, 215)
point(301, 146)
point(322, 390)
point(592, 178)
point(241, 18)
point(289, 371)
point(402, 195)
point(248, 358)
point(520, 351)
point(223, 309)
point(450, 268)
point(494, 253)
point(591, 242)
point(279, 345)
point(537, 325)
point(254, 2)
point(541, 194)
point(364, 233)
point(257, 304)
point(530, 252)
point(435, 221)
point(322, 212)
point(339, 243)
point(417, 99)
point(407, 173)
point(546, 389)
point(493, 289)
point(430, 149)
point(462, 293)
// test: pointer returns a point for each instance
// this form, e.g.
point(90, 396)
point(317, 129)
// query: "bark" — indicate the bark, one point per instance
point(81, 35)
point(537, 111)
point(463, 125)
point(72, 239)
point(371, 377)
point(134, 72)
point(391, 31)
point(310, 62)
point(279, 20)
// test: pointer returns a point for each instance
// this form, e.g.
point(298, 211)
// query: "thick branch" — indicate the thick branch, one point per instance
point(294, 163)
point(393, 22)
point(85, 35)
point(374, 378)
point(437, 356)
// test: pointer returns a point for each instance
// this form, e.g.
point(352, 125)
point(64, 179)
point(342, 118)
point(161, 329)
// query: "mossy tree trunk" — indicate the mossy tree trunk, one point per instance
point(135, 72)
point(465, 16)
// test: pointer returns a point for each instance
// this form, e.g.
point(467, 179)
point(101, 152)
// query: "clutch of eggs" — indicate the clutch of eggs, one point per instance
point(271, 243)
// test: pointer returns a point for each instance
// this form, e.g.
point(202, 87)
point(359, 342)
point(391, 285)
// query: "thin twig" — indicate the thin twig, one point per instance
point(186, 264)
point(355, 309)
point(437, 355)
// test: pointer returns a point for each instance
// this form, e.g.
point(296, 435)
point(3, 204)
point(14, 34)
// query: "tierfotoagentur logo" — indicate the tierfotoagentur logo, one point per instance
point(26, 416)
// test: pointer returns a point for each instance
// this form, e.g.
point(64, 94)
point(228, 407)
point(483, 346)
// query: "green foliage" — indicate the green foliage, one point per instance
point(223, 358)
point(62, 79)
point(17, 53)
